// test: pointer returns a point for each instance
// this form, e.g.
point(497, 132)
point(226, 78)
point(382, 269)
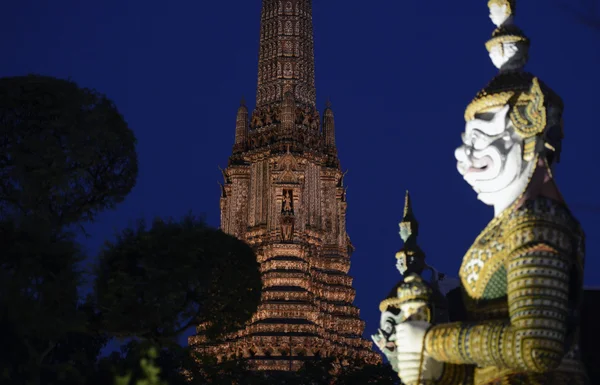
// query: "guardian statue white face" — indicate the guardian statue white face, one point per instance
point(491, 159)
point(500, 54)
point(498, 14)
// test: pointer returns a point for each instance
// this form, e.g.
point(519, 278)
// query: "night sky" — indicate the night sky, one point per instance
point(399, 75)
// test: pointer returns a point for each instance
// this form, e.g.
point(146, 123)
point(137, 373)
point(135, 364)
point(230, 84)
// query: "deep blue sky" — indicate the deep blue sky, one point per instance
point(399, 75)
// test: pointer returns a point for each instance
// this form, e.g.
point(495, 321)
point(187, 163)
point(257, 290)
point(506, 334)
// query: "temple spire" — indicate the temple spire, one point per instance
point(286, 57)
point(329, 126)
point(241, 127)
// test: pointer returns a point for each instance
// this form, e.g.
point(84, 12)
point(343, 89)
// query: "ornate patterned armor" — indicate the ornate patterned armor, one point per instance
point(522, 285)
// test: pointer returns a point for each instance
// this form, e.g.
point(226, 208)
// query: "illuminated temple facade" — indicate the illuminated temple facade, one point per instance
point(284, 195)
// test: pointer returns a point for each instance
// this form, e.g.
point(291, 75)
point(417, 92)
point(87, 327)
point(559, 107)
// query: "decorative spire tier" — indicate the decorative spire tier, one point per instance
point(286, 58)
point(286, 110)
point(283, 194)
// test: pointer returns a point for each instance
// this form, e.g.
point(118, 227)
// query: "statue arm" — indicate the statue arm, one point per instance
point(533, 339)
point(454, 374)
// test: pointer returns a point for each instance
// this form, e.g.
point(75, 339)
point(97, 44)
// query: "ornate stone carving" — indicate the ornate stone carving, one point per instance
point(287, 227)
point(280, 197)
point(278, 29)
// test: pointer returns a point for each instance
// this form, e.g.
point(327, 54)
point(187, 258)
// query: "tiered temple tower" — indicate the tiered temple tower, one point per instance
point(284, 195)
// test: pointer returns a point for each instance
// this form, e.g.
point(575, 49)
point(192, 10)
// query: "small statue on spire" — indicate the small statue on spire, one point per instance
point(502, 11)
point(509, 47)
point(413, 298)
point(410, 259)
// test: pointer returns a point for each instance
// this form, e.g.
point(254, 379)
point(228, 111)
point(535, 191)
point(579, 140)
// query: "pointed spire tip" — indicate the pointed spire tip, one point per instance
point(407, 205)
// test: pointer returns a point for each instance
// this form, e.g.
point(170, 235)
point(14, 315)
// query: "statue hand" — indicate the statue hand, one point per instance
point(379, 340)
point(410, 336)
point(412, 360)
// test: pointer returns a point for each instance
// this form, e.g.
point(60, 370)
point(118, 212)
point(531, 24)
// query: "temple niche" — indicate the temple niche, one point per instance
point(282, 194)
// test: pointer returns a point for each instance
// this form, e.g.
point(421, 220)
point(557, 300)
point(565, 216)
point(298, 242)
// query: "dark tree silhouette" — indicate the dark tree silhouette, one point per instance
point(154, 283)
point(39, 279)
point(66, 153)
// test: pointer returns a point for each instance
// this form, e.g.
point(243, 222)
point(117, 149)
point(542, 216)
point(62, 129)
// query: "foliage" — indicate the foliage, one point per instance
point(368, 374)
point(38, 295)
point(205, 370)
point(148, 373)
point(66, 153)
point(73, 359)
point(155, 283)
point(330, 371)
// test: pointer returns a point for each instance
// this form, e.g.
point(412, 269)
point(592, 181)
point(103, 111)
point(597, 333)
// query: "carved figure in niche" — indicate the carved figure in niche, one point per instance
point(287, 70)
point(287, 228)
point(276, 114)
point(299, 115)
point(257, 119)
point(287, 48)
point(269, 116)
point(306, 116)
point(286, 206)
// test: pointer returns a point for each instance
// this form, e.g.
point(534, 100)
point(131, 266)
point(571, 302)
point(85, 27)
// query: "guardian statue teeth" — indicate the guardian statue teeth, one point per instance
point(522, 279)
